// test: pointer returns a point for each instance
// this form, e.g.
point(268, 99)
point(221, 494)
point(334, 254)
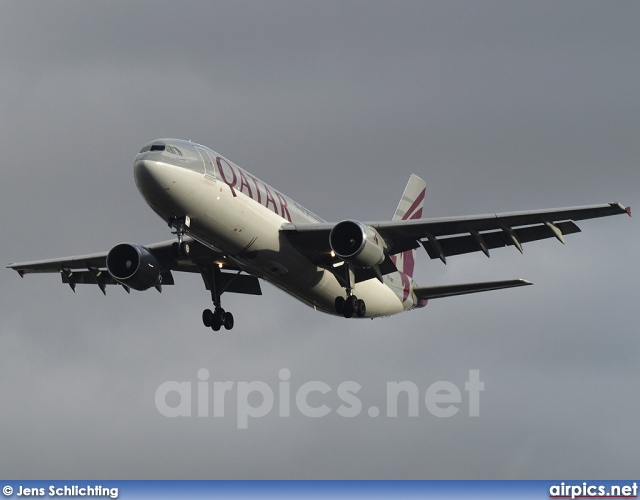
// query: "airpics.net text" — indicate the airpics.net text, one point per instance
point(257, 399)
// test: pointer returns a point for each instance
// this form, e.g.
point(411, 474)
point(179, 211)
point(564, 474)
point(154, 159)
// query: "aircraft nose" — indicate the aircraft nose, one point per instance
point(153, 178)
point(151, 174)
point(156, 180)
point(144, 172)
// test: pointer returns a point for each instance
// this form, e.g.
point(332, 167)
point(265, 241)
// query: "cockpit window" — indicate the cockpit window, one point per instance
point(161, 147)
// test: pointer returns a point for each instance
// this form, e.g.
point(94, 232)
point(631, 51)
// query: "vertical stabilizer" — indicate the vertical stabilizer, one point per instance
point(409, 207)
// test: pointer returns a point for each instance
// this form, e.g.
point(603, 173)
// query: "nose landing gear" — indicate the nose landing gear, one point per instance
point(181, 225)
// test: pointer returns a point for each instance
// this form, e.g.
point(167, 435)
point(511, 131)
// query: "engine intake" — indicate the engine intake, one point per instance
point(357, 243)
point(133, 265)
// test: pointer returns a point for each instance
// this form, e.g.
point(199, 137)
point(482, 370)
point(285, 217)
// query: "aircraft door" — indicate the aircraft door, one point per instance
point(209, 167)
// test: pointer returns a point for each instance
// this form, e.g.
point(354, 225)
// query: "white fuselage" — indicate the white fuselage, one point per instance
point(238, 215)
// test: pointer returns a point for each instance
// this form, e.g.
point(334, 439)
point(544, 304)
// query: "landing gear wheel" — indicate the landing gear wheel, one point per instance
point(350, 306)
point(217, 319)
point(207, 318)
point(340, 305)
point(181, 249)
point(185, 249)
point(228, 321)
point(218, 315)
point(351, 303)
point(214, 282)
point(361, 308)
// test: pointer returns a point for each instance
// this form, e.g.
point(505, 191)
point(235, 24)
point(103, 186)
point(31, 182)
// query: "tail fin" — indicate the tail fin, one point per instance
point(412, 201)
point(409, 207)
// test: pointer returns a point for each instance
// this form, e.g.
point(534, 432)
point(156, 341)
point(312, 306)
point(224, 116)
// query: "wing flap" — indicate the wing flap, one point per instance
point(248, 285)
point(436, 292)
point(457, 235)
point(232, 282)
point(87, 277)
point(458, 245)
point(90, 278)
point(494, 229)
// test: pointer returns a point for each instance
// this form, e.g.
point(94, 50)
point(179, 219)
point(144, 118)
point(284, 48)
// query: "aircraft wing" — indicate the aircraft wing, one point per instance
point(444, 237)
point(92, 268)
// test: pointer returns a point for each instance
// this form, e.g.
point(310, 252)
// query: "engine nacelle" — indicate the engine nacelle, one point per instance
point(357, 243)
point(133, 265)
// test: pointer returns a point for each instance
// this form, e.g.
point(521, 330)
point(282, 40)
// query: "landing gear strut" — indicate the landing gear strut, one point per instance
point(350, 305)
point(217, 318)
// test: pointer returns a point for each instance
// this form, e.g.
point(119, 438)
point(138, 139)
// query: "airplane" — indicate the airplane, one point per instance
point(235, 229)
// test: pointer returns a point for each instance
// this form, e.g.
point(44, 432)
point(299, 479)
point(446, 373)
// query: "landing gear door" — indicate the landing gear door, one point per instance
point(209, 167)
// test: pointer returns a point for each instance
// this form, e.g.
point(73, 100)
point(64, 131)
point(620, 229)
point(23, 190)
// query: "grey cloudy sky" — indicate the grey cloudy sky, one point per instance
point(500, 106)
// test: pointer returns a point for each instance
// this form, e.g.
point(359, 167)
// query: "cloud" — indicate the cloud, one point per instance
point(500, 107)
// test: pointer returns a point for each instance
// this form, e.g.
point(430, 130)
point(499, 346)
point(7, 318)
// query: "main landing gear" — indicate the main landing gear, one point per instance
point(217, 318)
point(352, 304)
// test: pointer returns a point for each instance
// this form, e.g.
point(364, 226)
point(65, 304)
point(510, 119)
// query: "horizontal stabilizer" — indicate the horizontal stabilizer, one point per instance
point(436, 292)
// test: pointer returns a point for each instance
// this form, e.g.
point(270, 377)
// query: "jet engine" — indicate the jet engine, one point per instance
point(357, 243)
point(134, 266)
